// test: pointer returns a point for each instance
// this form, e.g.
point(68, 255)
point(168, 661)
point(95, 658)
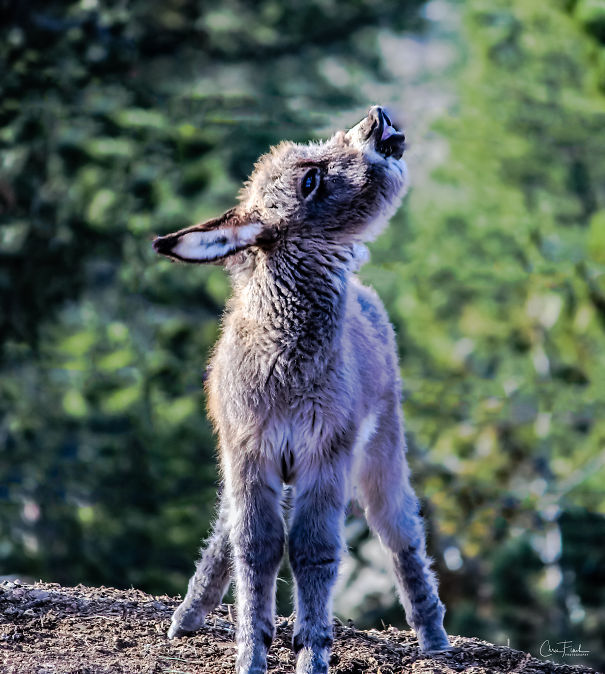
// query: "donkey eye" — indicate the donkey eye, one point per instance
point(310, 182)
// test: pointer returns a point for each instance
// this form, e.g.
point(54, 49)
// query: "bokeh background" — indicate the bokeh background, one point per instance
point(123, 119)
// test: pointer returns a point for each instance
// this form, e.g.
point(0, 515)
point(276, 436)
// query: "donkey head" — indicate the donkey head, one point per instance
point(341, 191)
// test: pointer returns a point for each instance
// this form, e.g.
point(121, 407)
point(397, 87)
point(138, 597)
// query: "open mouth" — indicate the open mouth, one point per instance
point(377, 134)
point(389, 141)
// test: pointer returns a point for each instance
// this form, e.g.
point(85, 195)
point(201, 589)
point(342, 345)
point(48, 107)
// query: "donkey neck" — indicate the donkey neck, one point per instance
point(298, 291)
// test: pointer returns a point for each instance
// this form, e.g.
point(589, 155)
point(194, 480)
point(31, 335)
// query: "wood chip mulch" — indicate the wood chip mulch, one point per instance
point(49, 629)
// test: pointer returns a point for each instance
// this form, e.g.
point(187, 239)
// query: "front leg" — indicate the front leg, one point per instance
point(257, 539)
point(315, 544)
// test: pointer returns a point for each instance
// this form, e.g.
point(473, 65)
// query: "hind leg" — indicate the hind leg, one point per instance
point(392, 512)
point(209, 582)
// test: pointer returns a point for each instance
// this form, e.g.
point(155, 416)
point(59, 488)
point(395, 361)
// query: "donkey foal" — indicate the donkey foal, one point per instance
point(303, 389)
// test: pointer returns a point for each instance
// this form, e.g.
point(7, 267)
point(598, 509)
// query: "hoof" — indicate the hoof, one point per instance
point(185, 622)
point(174, 632)
point(255, 665)
point(433, 641)
point(310, 662)
point(437, 651)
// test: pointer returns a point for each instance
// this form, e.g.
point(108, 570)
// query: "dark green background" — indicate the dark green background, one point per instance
point(124, 119)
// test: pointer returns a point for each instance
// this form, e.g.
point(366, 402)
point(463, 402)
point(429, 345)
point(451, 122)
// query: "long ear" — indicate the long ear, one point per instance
point(211, 241)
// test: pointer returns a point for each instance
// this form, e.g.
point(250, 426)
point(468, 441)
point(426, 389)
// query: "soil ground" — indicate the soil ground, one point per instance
point(49, 629)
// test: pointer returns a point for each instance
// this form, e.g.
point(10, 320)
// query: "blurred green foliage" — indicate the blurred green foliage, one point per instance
point(119, 121)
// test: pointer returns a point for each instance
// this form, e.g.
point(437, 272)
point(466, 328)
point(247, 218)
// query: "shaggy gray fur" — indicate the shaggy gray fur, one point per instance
point(304, 390)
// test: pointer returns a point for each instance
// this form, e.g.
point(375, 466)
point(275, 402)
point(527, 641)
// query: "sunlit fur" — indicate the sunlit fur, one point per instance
point(303, 389)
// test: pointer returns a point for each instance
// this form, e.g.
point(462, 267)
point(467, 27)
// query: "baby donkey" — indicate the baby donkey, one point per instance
point(303, 390)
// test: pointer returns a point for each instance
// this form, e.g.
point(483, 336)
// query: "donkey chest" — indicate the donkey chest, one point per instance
point(302, 435)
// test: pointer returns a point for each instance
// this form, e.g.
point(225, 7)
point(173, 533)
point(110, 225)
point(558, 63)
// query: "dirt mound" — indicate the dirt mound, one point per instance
point(49, 629)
